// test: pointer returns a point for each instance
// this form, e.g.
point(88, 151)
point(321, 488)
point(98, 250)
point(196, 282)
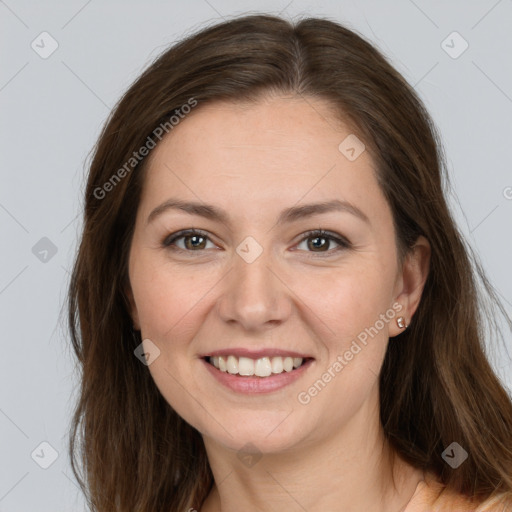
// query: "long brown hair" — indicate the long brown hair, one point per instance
point(436, 384)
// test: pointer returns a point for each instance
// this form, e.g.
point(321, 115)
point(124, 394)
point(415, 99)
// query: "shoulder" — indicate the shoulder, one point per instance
point(433, 496)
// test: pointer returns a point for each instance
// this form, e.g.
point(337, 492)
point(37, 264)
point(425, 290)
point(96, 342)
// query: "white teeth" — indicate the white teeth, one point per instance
point(277, 365)
point(263, 367)
point(245, 366)
point(288, 364)
point(232, 364)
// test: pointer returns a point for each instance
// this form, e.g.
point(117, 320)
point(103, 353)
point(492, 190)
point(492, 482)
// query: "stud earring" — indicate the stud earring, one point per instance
point(401, 322)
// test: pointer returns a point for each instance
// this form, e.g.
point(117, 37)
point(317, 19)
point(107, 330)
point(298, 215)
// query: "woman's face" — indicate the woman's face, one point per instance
point(254, 284)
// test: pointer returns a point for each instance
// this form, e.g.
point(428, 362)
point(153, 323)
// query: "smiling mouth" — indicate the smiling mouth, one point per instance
point(261, 367)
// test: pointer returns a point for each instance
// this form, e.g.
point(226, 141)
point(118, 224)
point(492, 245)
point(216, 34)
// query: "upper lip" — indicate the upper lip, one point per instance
point(255, 354)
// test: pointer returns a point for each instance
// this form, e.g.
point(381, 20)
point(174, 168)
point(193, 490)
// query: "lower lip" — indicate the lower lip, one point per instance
point(252, 385)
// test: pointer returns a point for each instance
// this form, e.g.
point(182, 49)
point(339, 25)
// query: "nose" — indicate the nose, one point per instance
point(255, 295)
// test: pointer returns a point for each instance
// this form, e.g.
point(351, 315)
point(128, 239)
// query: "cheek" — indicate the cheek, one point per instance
point(348, 320)
point(345, 300)
point(351, 314)
point(168, 303)
point(167, 298)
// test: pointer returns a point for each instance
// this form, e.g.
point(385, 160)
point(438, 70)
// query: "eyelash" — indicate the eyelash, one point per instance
point(317, 233)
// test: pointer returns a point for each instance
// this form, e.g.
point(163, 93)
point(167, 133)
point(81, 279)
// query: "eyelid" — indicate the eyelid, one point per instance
point(343, 243)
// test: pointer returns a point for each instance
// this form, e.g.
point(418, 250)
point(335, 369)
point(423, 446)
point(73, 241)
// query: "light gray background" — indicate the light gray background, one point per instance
point(52, 110)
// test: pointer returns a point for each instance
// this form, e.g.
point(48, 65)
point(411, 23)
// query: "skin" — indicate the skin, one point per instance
point(254, 160)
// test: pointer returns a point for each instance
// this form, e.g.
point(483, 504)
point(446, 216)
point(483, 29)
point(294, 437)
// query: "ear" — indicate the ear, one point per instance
point(411, 281)
point(131, 305)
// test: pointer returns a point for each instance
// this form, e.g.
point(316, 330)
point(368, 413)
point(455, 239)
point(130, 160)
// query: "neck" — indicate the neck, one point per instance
point(351, 471)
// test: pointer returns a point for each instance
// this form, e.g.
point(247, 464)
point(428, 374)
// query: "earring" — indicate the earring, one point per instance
point(401, 322)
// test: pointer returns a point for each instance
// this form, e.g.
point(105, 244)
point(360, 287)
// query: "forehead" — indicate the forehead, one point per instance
point(286, 127)
point(280, 148)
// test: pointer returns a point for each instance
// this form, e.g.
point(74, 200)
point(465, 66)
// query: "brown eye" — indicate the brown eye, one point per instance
point(193, 240)
point(319, 242)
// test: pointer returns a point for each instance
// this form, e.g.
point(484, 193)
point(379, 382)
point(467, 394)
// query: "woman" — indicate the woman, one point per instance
point(271, 303)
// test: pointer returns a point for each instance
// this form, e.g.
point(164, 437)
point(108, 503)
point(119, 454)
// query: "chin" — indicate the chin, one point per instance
point(265, 436)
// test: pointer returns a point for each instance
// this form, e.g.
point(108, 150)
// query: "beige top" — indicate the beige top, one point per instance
point(432, 496)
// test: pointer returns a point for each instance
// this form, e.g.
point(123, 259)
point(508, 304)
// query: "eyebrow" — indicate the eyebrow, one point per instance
point(288, 215)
